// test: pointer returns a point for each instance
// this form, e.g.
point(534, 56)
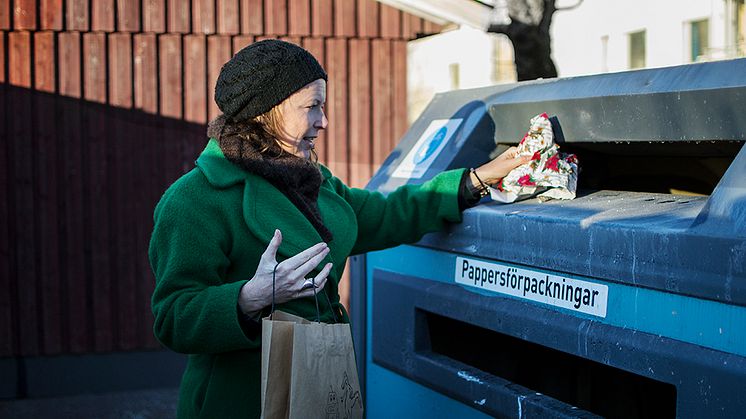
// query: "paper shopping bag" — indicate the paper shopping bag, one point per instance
point(323, 379)
point(277, 355)
point(310, 371)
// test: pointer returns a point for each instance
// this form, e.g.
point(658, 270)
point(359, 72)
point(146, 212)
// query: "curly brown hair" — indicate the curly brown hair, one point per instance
point(261, 133)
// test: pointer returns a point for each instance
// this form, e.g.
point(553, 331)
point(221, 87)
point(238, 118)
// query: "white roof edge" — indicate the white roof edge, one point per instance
point(442, 12)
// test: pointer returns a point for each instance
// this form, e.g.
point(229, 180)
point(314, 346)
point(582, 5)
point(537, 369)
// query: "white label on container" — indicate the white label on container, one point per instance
point(559, 291)
point(427, 148)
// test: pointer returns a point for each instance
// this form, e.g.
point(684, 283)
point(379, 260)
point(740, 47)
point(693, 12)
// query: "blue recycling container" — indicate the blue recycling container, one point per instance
point(628, 301)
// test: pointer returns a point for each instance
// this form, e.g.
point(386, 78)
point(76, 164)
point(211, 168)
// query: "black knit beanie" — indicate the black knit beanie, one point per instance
point(261, 76)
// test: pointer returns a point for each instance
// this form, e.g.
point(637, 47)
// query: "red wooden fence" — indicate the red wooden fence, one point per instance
point(103, 103)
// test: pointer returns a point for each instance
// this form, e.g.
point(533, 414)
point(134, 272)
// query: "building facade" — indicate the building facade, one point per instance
point(605, 36)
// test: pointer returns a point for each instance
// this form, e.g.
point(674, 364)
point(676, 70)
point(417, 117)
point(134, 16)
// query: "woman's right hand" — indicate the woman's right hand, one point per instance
point(290, 276)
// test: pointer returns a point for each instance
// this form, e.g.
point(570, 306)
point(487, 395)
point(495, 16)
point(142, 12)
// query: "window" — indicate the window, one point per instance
point(700, 40)
point(503, 69)
point(637, 49)
point(453, 70)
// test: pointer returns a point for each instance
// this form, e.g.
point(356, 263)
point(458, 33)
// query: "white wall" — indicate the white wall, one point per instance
point(473, 51)
point(576, 44)
point(577, 33)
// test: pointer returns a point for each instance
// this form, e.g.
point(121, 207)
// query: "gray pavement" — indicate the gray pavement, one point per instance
point(141, 404)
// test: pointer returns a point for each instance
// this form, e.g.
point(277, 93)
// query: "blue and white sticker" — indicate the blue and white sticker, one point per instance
point(427, 148)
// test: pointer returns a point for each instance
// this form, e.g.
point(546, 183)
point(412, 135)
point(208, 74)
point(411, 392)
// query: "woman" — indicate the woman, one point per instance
point(258, 202)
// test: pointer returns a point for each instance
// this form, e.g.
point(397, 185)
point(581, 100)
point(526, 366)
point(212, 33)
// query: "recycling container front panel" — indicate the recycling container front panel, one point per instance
point(628, 301)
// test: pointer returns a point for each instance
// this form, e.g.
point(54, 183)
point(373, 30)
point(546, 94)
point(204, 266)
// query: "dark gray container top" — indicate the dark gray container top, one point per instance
point(683, 244)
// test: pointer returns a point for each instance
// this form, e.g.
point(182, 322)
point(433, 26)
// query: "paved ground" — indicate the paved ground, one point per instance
point(143, 404)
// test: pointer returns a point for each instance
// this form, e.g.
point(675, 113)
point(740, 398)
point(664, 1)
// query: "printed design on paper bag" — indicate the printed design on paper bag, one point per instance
point(332, 405)
point(427, 148)
point(341, 408)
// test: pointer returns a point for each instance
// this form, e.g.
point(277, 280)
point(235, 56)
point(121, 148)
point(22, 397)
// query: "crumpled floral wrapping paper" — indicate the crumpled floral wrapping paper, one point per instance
point(549, 175)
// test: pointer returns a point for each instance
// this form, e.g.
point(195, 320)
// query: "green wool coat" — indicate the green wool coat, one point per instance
point(211, 227)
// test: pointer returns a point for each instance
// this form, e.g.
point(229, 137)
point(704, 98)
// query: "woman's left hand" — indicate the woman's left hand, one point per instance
point(492, 171)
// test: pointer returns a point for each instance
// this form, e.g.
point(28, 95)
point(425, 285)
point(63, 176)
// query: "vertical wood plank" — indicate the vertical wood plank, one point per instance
point(70, 186)
point(367, 18)
point(321, 18)
point(430, 28)
point(69, 64)
point(2, 65)
point(400, 123)
point(44, 65)
point(21, 150)
point(45, 143)
point(50, 14)
point(218, 53)
point(252, 17)
point(154, 16)
point(19, 59)
point(299, 17)
point(239, 43)
point(292, 39)
point(5, 14)
point(146, 99)
point(96, 132)
point(94, 67)
point(344, 18)
point(170, 75)
point(195, 79)
point(146, 73)
point(77, 15)
point(390, 22)
point(344, 286)
point(128, 15)
point(411, 26)
point(124, 171)
point(203, 16)
point(228, 17)
point(120, 70)
point(418, 24)
point(406, 26)
point(102, 15)
point(262, 38)
point(49, 302)
point(317, 48)
point(43, 135)
point(275, 17)
point(98, 128)
point(382, 86)
point(7, 283)
point(336, 105)
point(360, 113)
point(24, 14)
point(143, 158)
point(178, 16)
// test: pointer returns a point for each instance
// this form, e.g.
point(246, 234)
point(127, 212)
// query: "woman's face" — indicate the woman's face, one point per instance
point(303, 118)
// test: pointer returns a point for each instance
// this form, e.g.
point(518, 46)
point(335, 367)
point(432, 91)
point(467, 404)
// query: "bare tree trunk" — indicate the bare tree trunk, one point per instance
point(528, 30)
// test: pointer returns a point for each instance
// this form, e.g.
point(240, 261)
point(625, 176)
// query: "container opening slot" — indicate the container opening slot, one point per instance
point(588, 385)
point(679, 168)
